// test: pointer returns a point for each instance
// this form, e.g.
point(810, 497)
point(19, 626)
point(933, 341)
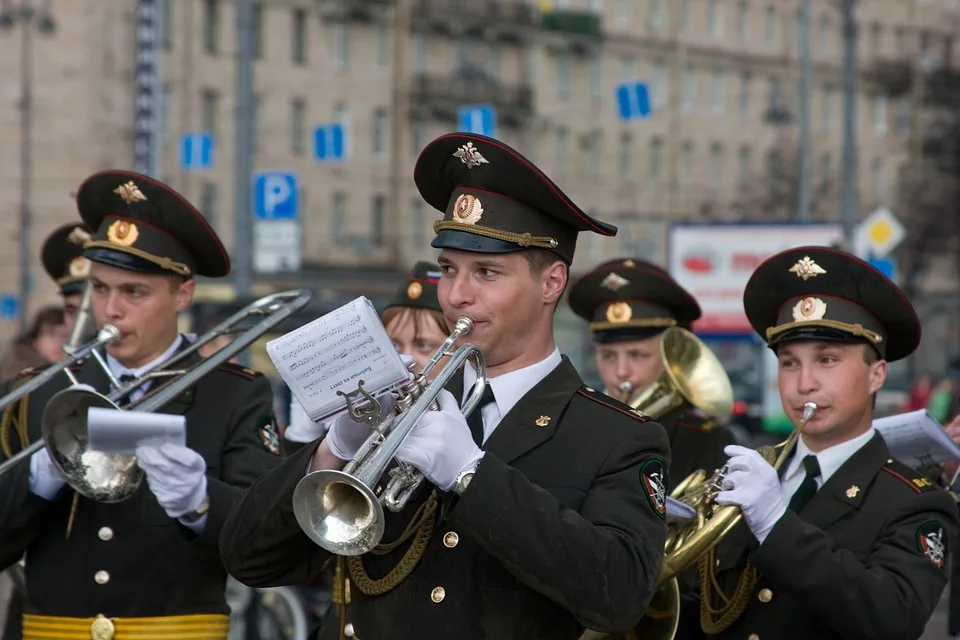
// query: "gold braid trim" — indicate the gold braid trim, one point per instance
point(857, 330)
point(420, 529)
point(520, 239)
point(640, 322)
point(164, 263)
point(16, 422)
point(716, 621)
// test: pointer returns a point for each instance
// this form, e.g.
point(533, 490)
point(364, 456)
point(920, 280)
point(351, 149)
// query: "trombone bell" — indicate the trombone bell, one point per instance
point(99, 476)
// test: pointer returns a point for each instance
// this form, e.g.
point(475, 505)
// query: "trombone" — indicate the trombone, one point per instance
point(341, 510)
point(111, 478)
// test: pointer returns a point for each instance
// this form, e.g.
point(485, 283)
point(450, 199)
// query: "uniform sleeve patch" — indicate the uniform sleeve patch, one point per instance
point(932, 542)
point(654, 479)
point(269, 433)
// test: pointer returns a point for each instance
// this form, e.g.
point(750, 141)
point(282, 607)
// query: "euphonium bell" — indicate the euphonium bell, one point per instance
point(341, 510)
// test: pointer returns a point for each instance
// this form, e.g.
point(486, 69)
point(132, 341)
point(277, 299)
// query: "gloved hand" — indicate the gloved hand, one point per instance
point(753, 485)
point(177, 476)
point(441, 445)
point(45, 480)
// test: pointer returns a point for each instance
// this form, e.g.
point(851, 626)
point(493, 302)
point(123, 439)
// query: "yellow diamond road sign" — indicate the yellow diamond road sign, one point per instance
point(881, 232)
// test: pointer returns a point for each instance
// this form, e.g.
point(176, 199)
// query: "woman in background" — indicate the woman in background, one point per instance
point(40, 346)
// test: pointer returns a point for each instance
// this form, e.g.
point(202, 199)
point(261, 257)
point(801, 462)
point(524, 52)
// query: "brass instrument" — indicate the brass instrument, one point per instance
point(626, 391)
point(111, 478)
point(340, 510)
point(690, 541)
point(84, 323)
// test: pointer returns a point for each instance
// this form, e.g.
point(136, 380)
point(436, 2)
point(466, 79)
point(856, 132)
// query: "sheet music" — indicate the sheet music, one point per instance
point(334, 353)
point(917, 439)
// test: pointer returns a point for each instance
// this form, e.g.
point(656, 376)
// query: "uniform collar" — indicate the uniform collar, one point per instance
point(831, 458)
point(118, 369)
point(509, 388)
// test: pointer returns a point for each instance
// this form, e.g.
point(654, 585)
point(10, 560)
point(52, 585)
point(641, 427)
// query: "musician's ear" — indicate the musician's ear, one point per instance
point(877, 368)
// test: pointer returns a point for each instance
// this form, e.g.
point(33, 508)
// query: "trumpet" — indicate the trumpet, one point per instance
point(109, 478)
point(626, 391)
point(341, 510)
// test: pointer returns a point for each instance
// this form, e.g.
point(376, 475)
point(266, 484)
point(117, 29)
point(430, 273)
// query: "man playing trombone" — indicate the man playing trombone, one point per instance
point(629, 303)
point(544, 511)
point(148, 565)
point(844, 541)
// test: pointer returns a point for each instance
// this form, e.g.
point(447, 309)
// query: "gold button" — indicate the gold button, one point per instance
point(102, 628)
point(450, 539)
point(438, 594)
point(765, 595)
point(753, 636)
point(105, 534)
point(101, 577)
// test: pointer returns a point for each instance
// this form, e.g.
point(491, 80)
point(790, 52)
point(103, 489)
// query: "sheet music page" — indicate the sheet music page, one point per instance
point(917, 437)
point(334, 353)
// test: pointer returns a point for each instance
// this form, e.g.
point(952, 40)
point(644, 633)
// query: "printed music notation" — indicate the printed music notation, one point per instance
point(917, 437)
point(334, 353)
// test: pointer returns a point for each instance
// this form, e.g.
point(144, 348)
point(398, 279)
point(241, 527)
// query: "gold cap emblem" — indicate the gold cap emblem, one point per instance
point(415, 290)
point(809, 309)
point(467, 209)
point(619, 312)
point(79, 267)
point(123, 233)
point(807, 268)
point(542, 421)
point(130, 192)
point(469, 156)
point(629, 263)
point(78, 236)
point(614, 282)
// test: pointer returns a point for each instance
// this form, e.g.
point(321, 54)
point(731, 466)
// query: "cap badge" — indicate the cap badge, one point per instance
point(542, 421)
point(614, 282)
point(469, 156)
point(467, 209)
point(79, 267)
point(130, 192)
point(629, 263)
point(415, 290)
point(807, 268)
point(123, 233)
point(809, 309)
point(619, 312)
point(78, 236)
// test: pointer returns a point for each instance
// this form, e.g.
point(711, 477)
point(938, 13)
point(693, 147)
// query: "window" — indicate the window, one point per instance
point(208, 202)
point(381, 133)
point(743, 21)
point(623, 13)
point(876, 39)
point(419, 49)
point(163, 123)
point(685, 169)
point(743, 167)
point(658, 83)
point(561, 151)
point(714, 19)
point(255, 123)
point(338, 217)
point(298, 126)
point(381, 47)
point(687, 89)
point(823, 35)
point(775, 93)
point(532, 64)
point(298, 39)
point(209, 110)
point(211, 26)
point(591, 145)
point(715, 170)
point(656, 159)
point(880, 115)
point(166, 24)
point(378, 220)
point(903, 117)
point(626, 143)
point(595, 77)
point(341, 46)
point(628, 69)
point(416, 222)
point(418, 135)
point(563, 74)
point(826, 108)
point(877, 186)
point(655, 17)
point(718, 92)
point(256, 30)
point(683, 16)
point(744, 100)
point(493, 62)
point(769, 25)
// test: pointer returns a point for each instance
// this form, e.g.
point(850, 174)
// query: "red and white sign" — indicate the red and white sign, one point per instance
point(714, 261)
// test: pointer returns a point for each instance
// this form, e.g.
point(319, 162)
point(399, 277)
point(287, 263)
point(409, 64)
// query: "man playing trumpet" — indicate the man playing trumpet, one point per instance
point(845, 542)
point(544, 510)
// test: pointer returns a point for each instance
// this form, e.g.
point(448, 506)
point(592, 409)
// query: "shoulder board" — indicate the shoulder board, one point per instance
point(612, 403)
point(909, 476)
point(695, 421)
point(29, 372)
point(243, 372)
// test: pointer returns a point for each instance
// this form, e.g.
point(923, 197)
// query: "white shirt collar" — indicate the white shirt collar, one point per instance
point(510, 387)
point(118, 369)
point(830, 459)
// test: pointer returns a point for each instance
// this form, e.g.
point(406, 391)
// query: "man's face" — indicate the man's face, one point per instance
point(635, 361)
point(71, 306)
point(143, 306)
point(509, 305)
point(836, 377)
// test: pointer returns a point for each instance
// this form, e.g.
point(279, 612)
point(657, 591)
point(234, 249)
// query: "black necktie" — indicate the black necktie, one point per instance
point(808, 487)
point(475, 419)
point(127, 377)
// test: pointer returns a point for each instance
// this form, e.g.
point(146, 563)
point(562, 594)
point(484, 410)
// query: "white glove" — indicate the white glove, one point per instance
point(753, 485)
point(45, 480)
point(301, 428)
point(441, 445)
point(177, 476)
point(346, 435)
